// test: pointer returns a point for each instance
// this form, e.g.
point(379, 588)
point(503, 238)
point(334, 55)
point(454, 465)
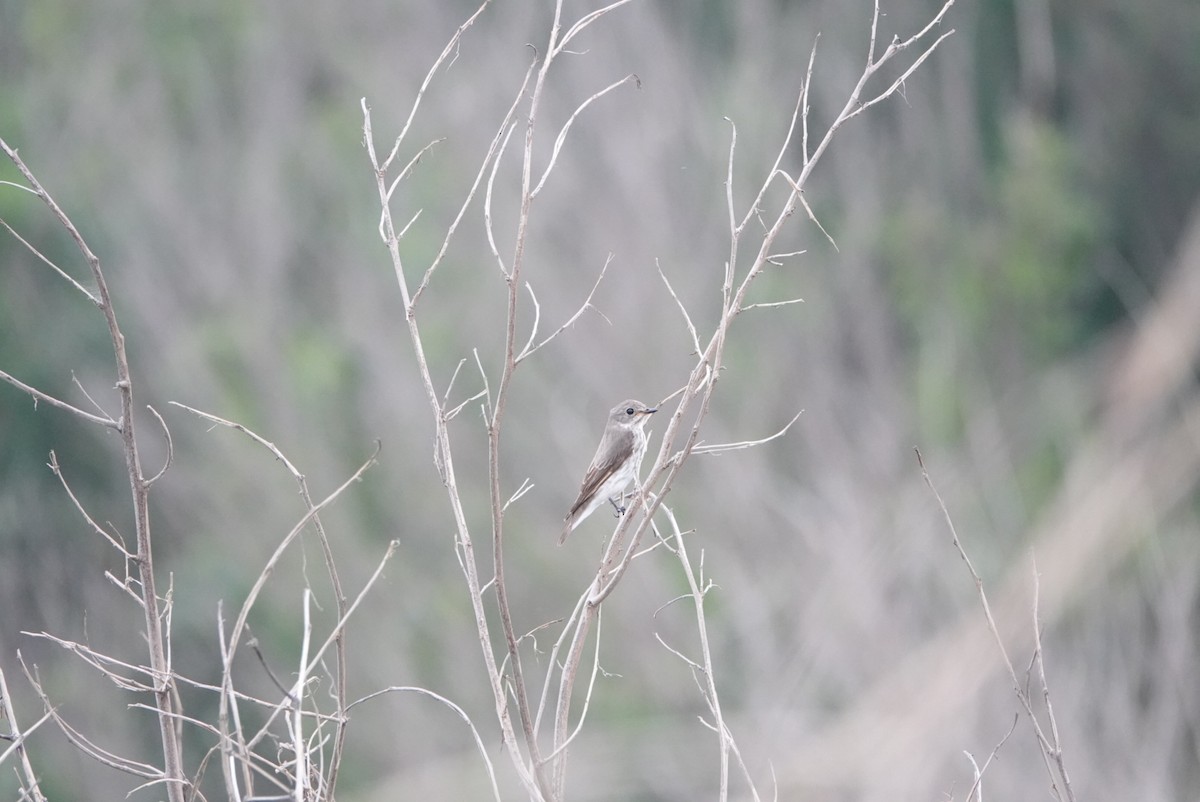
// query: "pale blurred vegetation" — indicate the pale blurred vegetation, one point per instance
point(1006, 232)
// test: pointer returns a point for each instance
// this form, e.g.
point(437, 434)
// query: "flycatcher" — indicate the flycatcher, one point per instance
point(617, 463)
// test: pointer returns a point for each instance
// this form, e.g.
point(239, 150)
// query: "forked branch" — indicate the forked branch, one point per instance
point(164, 691)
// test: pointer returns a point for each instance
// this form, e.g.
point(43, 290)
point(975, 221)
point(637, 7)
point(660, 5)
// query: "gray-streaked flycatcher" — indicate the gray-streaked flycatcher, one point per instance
point(616, 464)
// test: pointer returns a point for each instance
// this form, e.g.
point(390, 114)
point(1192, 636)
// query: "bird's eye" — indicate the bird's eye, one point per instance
point(629, 411)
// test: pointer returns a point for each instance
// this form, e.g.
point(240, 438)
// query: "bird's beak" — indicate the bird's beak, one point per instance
point(649, 411)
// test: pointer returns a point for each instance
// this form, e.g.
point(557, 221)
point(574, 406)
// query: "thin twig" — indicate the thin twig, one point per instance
point(451, 47)
point(802, 104)
point(164, 694)
point(687, 319)
point(81, 742)
point(581, 24)
point(977, 786)
point(340, 694)
point(487, 203)
point(170, 446)
point(42, 257)
point(483, 752)
point(27, 777)
point(772, 304)
point(720, 448)
point(562, 134)
point(38, 395)
point(113, 540)
point(587, 304)
point(1050, 749)
point(491, 157)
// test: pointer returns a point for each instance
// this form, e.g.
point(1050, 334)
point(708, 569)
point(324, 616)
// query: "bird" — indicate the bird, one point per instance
point(616, 464)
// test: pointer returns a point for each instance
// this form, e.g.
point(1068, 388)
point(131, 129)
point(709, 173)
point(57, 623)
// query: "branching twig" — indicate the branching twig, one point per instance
point(443, 453)
point(450, 48)
point(580, 25)
point(1050, 745)
point(491, 157)
point(240, 623)
point(530, 350)
point(680, 440)
point(165, 701)
point(694, 401)
point(82, 743)
point(330, 566)
point(29, 781)
point(976, 789)
point(38, 395)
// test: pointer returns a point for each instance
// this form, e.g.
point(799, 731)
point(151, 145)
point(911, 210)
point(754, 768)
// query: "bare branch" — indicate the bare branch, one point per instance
point(267, 444)
point(977, 786)
point(296, 720)
point(27, 777)
point(896, 46)
point(711, 697)
point(1056, 752)
point(487, 391)
point(38, 395)
point(813, 217)
point(773, 304)
point(874, 30)
point(562, 134)
point(525, 487)
point(82, 743)
point(43, 257)
point(537, 318)
point(165, 698)
point(756, 206)
point(408, 168)
point(400, 234)
point(79, 385)
point(802, 106)
point(107, 666)
point(487, 203)
point(723, 447)
point(1050, 749)
point(483, 752)
point(587, 304)
point(450, 384)
point(492, 156)
point(804, 202)
point(331, 568)
point(170, 447)
point(578, 27)
point(451, 47)
point(696, 667)
point(290, 699)
point(587, 699)
point(686, 317)
point(252, 596)
point(451, 414)
point(113, 540)
point(729, 182)
point(891, 90)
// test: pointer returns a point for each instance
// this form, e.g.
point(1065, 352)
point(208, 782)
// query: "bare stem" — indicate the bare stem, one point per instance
point(165, 700)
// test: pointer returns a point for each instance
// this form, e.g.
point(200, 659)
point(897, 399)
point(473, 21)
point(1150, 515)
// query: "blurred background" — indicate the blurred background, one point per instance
point(1015, 289)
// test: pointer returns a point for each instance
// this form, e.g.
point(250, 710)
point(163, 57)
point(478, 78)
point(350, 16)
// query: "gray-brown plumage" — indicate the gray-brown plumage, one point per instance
point(616, 464)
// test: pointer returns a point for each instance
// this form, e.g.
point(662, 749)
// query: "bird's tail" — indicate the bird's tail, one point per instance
point(568, 525)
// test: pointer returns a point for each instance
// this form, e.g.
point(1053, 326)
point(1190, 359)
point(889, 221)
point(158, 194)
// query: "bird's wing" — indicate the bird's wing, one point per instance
point(599, 472)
